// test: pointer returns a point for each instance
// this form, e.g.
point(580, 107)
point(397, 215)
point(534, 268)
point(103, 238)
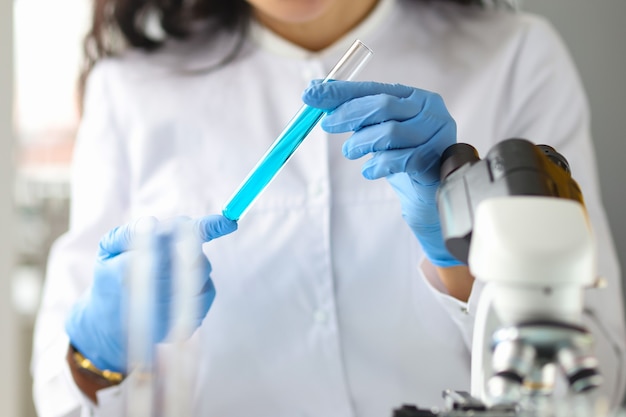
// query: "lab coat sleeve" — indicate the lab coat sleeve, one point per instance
point(99, 202)
point(546, 104)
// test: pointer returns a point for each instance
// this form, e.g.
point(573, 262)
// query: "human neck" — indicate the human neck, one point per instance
point(323, 31)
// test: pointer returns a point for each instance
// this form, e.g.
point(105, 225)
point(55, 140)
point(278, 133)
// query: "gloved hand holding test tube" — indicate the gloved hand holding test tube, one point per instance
point(291, 137)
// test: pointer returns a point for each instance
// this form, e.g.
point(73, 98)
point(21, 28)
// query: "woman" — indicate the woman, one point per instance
point(327, 304)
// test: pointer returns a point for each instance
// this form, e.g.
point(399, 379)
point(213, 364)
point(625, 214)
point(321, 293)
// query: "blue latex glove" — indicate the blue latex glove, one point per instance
point(95, 323)
point(406, 130)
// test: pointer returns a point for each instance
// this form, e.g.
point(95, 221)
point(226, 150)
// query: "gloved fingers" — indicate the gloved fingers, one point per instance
point(166, 317)
point(330, 95)
point(418, 200)
point(123, 238)
point(161, 322)
point(174, 247)
point(162, 264)
point(109, 275)
point(198, 271)
point(420, 163)
point(214, 226)
point(204, 270)
point(397, 135)
point(372, 110)
point(204, 299)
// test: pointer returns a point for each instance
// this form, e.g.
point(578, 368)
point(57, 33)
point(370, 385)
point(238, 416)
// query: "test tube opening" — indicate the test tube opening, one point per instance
point(351, 63)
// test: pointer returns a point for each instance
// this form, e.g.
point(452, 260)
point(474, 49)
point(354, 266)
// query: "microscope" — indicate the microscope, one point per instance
point(517, 218)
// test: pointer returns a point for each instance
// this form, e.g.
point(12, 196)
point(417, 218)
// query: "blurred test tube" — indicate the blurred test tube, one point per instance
point(141, 379)
point(180, 363)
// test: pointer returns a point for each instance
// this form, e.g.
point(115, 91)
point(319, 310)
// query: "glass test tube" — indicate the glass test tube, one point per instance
point(141, 381)
point(179, 367)
point(291, 137)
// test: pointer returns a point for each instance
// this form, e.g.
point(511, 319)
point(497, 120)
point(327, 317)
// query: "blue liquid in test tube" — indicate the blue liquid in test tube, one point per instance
point(292, 136)
point(275, 158)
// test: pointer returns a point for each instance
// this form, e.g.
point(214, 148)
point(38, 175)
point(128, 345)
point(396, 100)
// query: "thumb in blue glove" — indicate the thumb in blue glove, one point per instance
point(406, 130)
point(95, 325)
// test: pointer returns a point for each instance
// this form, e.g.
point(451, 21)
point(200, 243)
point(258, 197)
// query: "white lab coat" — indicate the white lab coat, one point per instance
point(323, 307)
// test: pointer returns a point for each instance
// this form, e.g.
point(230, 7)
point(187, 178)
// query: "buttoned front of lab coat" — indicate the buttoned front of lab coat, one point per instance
point(324, 304)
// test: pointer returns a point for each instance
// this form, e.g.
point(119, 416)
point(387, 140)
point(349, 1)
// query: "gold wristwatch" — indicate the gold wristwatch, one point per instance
point(86, 366)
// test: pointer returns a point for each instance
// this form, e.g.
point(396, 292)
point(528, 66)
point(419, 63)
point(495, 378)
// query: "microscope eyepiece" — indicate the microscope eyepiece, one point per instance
point(455, 156)
point(513, 167)
point(555, 157)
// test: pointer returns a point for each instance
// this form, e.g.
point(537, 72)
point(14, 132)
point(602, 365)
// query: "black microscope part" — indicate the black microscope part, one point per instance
point(513, 167)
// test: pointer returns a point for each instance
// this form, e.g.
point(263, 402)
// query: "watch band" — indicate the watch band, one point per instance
point(85, 365)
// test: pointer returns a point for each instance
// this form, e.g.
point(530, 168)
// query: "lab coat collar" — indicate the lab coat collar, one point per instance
point(271, 42)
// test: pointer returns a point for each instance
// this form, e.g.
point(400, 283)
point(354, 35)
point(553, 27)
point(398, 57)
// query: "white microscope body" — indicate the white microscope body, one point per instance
point(517, 218)
point(535, 255)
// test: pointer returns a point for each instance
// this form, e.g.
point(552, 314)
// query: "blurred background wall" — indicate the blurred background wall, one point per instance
point(46, 62)
point(9, 366)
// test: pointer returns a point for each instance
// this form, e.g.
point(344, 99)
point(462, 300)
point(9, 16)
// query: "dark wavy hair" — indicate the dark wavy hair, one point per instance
point(117, 24)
